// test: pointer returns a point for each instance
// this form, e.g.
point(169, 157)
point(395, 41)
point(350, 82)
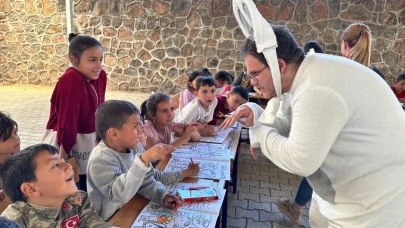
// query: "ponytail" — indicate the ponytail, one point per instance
point(144, 110)
point(358, 38)
point(361, 52)
point(71, 36)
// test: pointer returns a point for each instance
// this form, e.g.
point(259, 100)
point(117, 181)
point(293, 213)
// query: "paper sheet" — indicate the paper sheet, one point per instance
point(202, 151)
point(200, 183)
point(222, 134)
point(155, 216)
point(208, 169)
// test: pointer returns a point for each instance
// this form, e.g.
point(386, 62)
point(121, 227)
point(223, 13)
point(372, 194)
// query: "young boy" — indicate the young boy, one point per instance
point(9, 144)
point(221, 77)
point(116, 172)
point(9, 139)
point(41, 184)
point(201, 109)
point(229, 103)
point(399, 88)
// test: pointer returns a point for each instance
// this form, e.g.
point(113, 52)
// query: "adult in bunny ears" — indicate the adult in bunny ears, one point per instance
point(349, 147)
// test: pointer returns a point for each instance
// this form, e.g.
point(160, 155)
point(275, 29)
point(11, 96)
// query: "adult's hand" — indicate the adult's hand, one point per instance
point(241, 112)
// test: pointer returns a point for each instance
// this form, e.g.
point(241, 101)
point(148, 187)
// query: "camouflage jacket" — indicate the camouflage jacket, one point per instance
point(75, 213)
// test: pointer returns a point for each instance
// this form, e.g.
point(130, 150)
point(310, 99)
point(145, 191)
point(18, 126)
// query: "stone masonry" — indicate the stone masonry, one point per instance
point(152, 45)
point(33, 48)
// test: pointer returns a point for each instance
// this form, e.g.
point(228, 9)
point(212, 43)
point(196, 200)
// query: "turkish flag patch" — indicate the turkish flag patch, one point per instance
point(72, 222)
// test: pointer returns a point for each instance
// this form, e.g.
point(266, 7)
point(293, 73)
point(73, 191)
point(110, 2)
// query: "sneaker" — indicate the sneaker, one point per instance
point(285, 206)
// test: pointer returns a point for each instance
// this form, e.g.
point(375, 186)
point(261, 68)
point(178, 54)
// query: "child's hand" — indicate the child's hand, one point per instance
point(172, 201)
point(157, 152)
point(192, 170)
point(208, 131)
point(190, 129)
point(179, 125)
point(402, 100)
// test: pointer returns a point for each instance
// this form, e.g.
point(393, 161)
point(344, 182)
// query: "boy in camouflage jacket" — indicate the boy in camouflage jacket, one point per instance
point(41, 184)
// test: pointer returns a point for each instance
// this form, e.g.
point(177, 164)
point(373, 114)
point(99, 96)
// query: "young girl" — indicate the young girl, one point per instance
point(228, 84)
point(222, 78)
point(9, 144)
point(78, 93)
point(188, 94)
point(167, 178)
point(158, 114)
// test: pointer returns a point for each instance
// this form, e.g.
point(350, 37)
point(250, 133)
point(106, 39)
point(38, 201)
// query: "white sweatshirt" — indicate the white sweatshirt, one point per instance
point(194, 112)
point(346, 135)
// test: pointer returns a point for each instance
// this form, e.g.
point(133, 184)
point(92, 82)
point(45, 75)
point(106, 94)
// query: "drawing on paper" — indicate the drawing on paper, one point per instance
point(200, 183)
point(222, 134)
point(206, 206)
point(208, 169)
point(202, 148)
point(203, 151)
point(155, 216)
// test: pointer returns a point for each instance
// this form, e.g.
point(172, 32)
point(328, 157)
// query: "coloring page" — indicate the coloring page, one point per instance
point(202, 151)
point(222, 134)
point(155, 216)
point(207, 207)
point(200, 183)
point(216, 170)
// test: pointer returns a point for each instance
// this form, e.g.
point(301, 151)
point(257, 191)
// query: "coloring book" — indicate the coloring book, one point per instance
point(200, 183)
point(222, 134)
point(202, 151)
point(216, 170)
point(189, 215)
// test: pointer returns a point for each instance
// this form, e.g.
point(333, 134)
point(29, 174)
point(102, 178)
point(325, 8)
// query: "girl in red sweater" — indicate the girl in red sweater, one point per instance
point(77, 94)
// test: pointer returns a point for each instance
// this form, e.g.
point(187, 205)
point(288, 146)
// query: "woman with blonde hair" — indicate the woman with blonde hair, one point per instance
point(356, 45)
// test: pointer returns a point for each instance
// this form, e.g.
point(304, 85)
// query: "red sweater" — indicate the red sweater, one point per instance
point(398, 95)
point(220, 108)
point(73, 106)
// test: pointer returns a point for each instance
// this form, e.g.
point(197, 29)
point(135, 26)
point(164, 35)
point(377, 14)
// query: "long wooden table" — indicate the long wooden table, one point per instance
point(127, 214)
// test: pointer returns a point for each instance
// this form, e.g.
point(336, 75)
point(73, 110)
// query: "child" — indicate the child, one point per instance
point(115, 171)
point(41, 184)
point(205, 72)
point(399, 88)
point(188, 95)
point(9, 139)
point(76, 96)
point(201, 109)
point(158, 113)
point(167, 177)
point(229, 103)
point(9, 144)
point(221, 77)
point(228, 85)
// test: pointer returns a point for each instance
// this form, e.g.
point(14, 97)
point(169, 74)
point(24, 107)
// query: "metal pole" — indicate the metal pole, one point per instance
point(69, 16)
point(69, 21)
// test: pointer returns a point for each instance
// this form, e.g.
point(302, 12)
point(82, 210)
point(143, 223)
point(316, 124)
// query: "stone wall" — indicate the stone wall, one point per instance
point(152, 45)
point(33, 47)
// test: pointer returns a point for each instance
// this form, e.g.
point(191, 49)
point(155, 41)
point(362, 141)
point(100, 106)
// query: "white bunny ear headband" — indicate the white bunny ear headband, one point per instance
point(254, 25)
